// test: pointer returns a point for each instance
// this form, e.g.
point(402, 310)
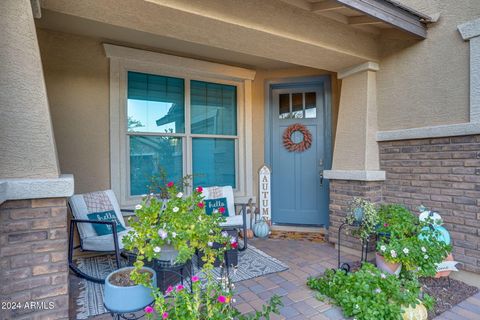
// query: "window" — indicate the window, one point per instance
point(158, 137)
point(297, 105)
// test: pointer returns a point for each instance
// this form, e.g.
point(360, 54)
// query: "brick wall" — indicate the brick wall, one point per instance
point(342, 193)
point(33, 258)
point(444, 175)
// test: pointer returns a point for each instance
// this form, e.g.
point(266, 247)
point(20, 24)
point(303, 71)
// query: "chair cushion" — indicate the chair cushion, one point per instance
point(100, 201)
point(105, 242)
point(219, 193)
point(103, 229)
point(236, 221)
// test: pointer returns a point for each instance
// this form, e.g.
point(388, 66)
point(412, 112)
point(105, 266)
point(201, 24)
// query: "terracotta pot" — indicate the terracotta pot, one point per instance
point(392, 268)
point(445, 273)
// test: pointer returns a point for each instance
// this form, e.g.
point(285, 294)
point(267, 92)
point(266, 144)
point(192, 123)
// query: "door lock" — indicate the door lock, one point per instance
point(321, 177)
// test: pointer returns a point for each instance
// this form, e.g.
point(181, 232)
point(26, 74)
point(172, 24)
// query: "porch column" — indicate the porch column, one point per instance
point(355, 168)
point(33, 213)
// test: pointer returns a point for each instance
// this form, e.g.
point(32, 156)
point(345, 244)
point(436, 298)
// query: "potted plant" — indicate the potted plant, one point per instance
point(121, 294)
point(362, 213)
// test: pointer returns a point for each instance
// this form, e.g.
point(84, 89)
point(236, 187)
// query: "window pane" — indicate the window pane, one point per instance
point(155, 103)
point(297, 105)
point(310, 105)
point(213, 108)
point(213, 162)
point(284, 106)
point(150, 154)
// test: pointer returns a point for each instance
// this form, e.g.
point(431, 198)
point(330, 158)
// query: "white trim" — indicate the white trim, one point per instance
point(18, 189)
point(184, 68)
point(360, 175)
point(451, 130)
point(180, 64)
point(367, 66)
point(470, 29)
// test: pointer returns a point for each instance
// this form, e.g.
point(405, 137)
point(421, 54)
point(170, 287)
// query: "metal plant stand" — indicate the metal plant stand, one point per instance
point(130, 315)
point(365, 243)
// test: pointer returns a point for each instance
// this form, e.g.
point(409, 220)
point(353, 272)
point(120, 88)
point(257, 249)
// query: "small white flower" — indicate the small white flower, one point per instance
point(157, 249)
point(425, 256)
point(383, 276)
point(424, 249)
point(174, 234)
point(393, 253)
point(233, 300)
point(210, 243)
point(383, 248)
point(225, 234)
point(179, 195)
point(215, 211)
point(175, 209)
point(233, 240)
point(200, 218)
point(357, 306)
point(138, 207)
point(378, 290)
point(163, 234)
point(406, 251)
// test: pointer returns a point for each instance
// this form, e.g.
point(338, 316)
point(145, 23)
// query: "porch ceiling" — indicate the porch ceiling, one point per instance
point(256, 32)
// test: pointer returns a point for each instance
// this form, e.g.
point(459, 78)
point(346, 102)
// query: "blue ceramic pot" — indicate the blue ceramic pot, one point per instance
point(127, 299)
point(261, 229)
point(442, 234)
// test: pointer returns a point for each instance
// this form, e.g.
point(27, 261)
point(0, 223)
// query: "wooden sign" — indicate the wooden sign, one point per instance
point(264, 192)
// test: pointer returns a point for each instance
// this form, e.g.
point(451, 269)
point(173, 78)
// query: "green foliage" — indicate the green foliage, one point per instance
point(407, 240)
point(212, 302)
point(369, 220)
point(368, 294)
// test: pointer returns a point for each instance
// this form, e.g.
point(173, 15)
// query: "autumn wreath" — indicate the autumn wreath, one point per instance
point(297, 147)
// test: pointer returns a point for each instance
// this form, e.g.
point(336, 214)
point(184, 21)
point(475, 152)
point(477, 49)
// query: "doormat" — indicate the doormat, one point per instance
point(252, 263)
point(298, 235)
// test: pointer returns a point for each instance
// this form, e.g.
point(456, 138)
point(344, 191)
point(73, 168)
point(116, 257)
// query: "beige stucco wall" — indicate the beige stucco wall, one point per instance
point(77, 78)
point(427, 83)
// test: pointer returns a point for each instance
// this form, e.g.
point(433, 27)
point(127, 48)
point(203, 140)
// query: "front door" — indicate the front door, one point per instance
point(299, 192)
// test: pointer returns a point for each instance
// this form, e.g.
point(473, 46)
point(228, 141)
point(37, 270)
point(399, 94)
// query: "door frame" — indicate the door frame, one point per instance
point(283, 83)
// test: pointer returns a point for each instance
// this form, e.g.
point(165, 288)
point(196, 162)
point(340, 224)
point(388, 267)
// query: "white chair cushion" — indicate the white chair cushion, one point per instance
point(236, 221)
point(221, 192)
point(100, 201)
point(103, 243)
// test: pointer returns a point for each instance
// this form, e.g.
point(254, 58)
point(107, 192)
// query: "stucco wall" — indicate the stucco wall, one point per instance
point(427, 83)
point(77, 79)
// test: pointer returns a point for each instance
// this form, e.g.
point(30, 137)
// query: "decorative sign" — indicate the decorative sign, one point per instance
point(264, 195)
point(447, 266)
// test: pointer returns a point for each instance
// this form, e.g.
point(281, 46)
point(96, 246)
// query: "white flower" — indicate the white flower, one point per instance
point(383, 248)
point(174, 234)
point(157, 249)
point(175, 209)
point(138, 207)
point(378, 290)
point(425, 256)
point(383, 276)
point(210, 243)
point(179, 195)
point(357, 306)
point(163, 234)
point(405, 250)
point(215, 211)
point(233, 240)
point(233, 300)
point(393, 253)
point(224, 234)
point(424, 249)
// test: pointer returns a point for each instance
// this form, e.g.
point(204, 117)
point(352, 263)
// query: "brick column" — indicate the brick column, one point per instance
point(33, 258)
point(342, 193)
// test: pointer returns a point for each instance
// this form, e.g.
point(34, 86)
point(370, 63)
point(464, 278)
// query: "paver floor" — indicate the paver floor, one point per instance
point(306, 259)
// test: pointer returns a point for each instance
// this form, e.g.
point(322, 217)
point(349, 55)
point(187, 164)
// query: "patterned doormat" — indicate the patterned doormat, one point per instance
point(298, 235)
point(252, 263)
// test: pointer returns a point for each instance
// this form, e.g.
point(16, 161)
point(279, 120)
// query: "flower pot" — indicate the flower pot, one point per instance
point(261, 229)
point(122, 299)
point(445, 273)
point(391, 268)
point(417, 313)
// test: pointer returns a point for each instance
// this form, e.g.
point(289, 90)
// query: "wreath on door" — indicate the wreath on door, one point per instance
point(301, 146)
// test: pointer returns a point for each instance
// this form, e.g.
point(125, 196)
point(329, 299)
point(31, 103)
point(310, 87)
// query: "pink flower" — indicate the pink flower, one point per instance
point(201, 205)
point(165, 315)
point(169, 289)
point(221, 210)
point(222, 299)
point(199, 189)
point(179, 288)
point(195, 279)
point(234, 245)
point(385, 224)
point(170, 184)
point(148, 309)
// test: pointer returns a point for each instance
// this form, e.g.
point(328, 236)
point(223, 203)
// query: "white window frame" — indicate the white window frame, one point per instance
point(122, 60)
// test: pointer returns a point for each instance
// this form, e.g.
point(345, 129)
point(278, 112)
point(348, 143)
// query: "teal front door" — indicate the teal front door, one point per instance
point(299, 191)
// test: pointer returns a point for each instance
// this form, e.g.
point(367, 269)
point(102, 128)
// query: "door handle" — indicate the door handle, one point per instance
point(321, 177)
